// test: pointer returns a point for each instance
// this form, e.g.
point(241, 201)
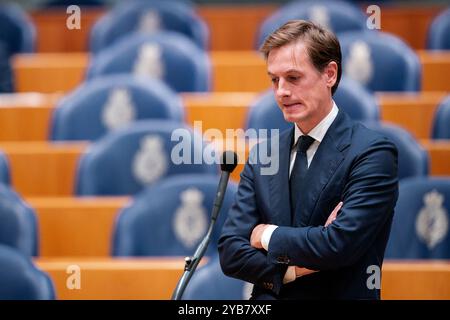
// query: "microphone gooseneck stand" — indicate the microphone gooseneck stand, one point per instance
point(229, 162)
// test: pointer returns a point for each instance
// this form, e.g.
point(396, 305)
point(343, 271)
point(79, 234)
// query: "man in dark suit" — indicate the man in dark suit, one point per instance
point(282, 233)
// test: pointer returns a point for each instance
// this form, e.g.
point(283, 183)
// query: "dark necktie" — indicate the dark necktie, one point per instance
point(299, 170)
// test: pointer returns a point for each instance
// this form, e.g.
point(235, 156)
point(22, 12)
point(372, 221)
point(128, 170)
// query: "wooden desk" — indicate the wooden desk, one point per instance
point(49, 72)
point(48, 169)
point(109, 278)
point(225, 22)
point(73, 226)
point(27, 117)
point(414, 112)
point(231, 71)
point(156, 278)
point(43, 168)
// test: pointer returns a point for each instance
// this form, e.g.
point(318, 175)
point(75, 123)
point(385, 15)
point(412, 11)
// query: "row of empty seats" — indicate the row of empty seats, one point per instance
point(129, 108)
point(418, 232)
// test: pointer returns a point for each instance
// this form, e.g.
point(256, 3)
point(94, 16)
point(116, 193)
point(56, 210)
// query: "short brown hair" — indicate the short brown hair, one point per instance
point(322, 45)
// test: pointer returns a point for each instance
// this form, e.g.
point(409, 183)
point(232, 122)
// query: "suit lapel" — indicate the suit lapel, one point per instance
point(325, 162)
point(279, 183)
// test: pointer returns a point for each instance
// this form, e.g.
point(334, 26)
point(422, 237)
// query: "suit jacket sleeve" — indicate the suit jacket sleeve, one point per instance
point(237, 257)
point(369, 197)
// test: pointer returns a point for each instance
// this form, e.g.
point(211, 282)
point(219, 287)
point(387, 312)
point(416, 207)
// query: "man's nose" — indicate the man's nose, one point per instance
point(283, 89)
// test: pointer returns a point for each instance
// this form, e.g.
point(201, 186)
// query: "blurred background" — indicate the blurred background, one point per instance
point(92, 205)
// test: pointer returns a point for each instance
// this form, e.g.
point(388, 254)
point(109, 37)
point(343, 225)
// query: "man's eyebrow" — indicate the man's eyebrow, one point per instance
point(285, 72)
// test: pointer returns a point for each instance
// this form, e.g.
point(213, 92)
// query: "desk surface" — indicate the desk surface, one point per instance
point(155, 278)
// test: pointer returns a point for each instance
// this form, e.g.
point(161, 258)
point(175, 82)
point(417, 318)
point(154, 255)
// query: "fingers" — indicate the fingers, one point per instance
point(299, 271)
point(333, 214)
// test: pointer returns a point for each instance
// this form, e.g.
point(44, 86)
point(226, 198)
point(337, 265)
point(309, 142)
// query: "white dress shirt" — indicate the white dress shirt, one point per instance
point(318, 133)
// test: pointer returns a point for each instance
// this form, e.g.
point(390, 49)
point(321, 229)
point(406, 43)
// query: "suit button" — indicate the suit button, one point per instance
point(283, 259)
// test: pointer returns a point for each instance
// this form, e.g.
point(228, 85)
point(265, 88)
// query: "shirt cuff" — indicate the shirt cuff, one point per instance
point(267, 234)
point(289, 276)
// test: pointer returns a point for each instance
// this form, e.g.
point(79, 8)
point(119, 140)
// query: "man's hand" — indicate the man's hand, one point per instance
point(255, 238)
point(333, 215)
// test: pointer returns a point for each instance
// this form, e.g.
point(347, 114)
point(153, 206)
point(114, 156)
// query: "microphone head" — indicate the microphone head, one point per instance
point(229, 161)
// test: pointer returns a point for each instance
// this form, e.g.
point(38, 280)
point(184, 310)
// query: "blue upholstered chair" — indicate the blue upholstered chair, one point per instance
point(171, 217)
point(4, 169)
point(439, 32)
point(339, 16)
point(18, 226)
point(209, 283)
point(441, 121)
point(420, 228)
point(148, 17)
point(16, 29)
point(108, 103)
point(127, 160)
point(20, 279)
point(170, 56)
point(380, 61)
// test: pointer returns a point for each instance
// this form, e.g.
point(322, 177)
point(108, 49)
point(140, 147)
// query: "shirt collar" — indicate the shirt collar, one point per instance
point(319, 131)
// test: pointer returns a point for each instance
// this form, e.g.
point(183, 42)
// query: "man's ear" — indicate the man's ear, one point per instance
point(331, 71)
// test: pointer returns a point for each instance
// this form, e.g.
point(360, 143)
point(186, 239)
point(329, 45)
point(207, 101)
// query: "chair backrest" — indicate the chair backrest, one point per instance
point(169, 56)
point(171, 217)
point(380, 61)
point(420, 229)
point(339, 16)
point(4, 169)
point(125, 161)
point(439, 32)
point(148, 17)
point(209, 283)
point(413, 160)
point(18, 227)
point(16, 30)
point(441, 121)
point(6, 73)
point(108, 103)
point(350, 96)
point(20, 279)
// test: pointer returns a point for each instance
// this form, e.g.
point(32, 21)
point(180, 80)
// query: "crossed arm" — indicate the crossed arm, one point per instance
point(258, 231)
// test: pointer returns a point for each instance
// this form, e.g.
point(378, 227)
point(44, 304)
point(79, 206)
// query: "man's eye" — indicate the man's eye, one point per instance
point(293, 78)
point(274, 80)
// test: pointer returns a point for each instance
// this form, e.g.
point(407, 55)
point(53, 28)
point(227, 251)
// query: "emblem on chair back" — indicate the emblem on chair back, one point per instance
point(319, 15)
point(432, 220)
point(359, 64)
point(149, 61)
point(149, 22)
point(190, 219)
point(150, 161)
point(119, 109)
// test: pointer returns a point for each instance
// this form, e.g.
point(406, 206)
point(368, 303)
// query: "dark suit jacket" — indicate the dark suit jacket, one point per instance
point(352, 164)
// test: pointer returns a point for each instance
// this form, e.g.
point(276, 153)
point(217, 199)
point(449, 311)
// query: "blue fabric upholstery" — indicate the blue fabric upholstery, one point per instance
point(20, 279)
point(127, 17)
point(420, 229)
point(339, 16)
point(209, 283)
point(380, 61)
point(107, 103)
point(18, 227)
point(127, 160)
point(170, 56)
point(441, 121)
point(171, 217)
point(439, 32)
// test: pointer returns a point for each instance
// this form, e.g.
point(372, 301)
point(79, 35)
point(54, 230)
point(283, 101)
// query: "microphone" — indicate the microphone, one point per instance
point(228, 163)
